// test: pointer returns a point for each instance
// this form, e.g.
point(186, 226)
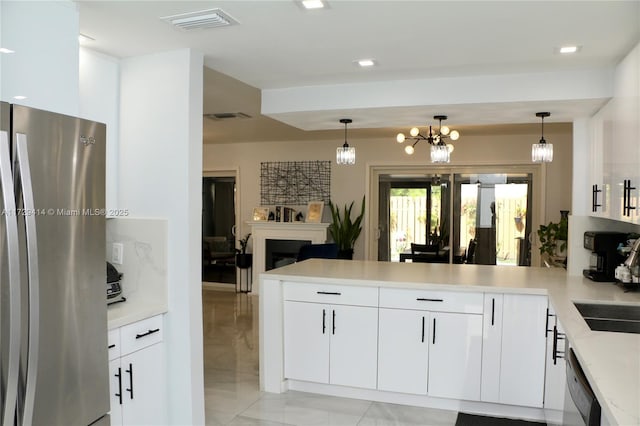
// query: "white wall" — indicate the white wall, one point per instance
point(160, 175)
point(348, 183)
point(99, 101)
point(44, 67)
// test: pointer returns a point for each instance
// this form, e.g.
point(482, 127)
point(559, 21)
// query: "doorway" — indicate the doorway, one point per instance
point(218, 229)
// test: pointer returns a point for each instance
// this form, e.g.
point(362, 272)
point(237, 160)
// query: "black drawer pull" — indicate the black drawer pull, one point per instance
point(112, 346)
point(493, 311)
point(422, 329)
point(332, 293)
point(434, 331)
point(324, 321)
point(138, 336)
point(422, 299)
point(119, 376)
point(130, 388)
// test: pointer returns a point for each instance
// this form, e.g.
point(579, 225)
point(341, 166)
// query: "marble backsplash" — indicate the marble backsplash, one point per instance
point(144, 265)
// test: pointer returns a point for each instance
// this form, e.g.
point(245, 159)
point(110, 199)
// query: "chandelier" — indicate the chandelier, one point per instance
point(440, 151)
point(542, 152)
point(346, 154)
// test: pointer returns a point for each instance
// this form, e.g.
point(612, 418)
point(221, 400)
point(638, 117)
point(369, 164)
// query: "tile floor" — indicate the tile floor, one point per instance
point(232, 395)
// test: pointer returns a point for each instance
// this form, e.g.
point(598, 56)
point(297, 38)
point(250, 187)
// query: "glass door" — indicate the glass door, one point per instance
point(493, 217)
point(412, 209)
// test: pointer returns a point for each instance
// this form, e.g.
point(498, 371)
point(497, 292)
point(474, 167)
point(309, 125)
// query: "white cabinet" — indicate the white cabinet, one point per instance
point(331, 343)
point(137, 371)
point(520, 346)
point(430, 342)
point(403, 350)
point(555, 374)
point(601, 162)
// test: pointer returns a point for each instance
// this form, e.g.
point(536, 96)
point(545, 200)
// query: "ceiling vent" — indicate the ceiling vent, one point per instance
point(210, 18)
point(227, 115)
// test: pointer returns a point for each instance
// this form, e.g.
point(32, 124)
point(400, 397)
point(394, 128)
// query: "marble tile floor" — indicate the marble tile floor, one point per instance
point(232, 394)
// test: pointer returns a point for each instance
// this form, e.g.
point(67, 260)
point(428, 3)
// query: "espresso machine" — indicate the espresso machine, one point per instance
point(604, 254)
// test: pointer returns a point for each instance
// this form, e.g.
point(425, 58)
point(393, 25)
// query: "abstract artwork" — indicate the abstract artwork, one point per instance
point(295, 182)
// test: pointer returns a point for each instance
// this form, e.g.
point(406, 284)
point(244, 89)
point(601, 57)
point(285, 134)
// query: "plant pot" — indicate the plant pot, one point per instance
point(345, 254)
point(244, 260)
point(519, 223)
point(561, 248)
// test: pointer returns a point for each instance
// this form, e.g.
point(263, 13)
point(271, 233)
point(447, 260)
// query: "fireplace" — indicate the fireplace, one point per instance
point(281, 252)
point(296, 233)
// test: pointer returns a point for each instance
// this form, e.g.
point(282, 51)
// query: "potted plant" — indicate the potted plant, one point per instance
point(343, 230)
point(243, 259)
point(553, 237)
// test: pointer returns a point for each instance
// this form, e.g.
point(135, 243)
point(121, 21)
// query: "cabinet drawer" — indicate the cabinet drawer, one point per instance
point(141, 334)
point(333, 294)
point(113, 342)
point(430, 300)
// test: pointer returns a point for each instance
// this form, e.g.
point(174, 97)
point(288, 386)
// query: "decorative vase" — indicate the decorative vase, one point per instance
point(519, 223)
point(345, 254)
point(244, 260)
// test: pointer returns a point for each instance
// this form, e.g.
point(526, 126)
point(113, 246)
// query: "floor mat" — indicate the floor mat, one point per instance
point(465, 419)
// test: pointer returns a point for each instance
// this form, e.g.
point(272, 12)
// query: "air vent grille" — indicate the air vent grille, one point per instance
point(210, 18)
point(227, 115)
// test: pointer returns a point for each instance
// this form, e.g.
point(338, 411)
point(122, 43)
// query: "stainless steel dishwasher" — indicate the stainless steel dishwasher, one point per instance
point(580, 404)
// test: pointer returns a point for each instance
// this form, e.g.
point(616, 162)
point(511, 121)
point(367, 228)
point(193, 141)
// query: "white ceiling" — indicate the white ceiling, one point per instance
point(278, 45)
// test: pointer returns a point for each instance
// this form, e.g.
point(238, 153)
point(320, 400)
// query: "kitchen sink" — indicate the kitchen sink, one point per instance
point(609, 317)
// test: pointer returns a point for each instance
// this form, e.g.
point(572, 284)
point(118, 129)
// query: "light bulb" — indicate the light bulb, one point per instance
point(414, 131)
point(400, 138)
point(450, 147)
point(444, 130)
point(454, 135)
point(409, 149)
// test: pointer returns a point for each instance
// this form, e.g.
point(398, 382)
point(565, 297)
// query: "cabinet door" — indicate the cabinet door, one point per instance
point(353, 347)
point(522, 368)
point(307, 329)
point(403, 350)
point(491, 347)
point(144, 397)
point(115, 391)
point(455, 352)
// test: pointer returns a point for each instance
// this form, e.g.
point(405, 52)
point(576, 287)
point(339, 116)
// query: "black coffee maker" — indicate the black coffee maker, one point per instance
point(604, 254)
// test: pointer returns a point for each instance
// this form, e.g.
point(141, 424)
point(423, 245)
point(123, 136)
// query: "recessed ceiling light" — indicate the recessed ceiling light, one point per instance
point(366, 63)
point(85, 38)
point(19, 97)
point(313, 4)
point(5, 50)
point(568, 49)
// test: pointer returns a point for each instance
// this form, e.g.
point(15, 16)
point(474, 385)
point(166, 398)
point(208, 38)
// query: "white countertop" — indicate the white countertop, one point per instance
point(611, 361)
point(130, 311)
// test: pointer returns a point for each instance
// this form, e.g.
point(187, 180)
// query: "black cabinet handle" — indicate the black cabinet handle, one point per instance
point(422, 329)
point(130, 388)
point(493, 311)
point(332, 293)
point(421, 299)
point(119, 376)
point(546, 327)
point(324, 320)
point(138, 336)
point(334, 323)
point(112, 346)
point(594, 198)
point(434, 331)
point(556, 353)
point(629, 206)
point(624, 198)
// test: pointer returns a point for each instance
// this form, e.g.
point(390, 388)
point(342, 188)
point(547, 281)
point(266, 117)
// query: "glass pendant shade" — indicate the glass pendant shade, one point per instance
point(409, 149)
point(440, 154)
point(542, 152)
point(346, 155)
point(400, 138)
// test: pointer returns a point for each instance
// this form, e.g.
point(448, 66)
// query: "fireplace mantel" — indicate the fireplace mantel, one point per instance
point(269, 230)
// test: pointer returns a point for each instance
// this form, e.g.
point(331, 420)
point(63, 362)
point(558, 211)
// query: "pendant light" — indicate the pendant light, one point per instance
point(346, 154)
point(542, 152)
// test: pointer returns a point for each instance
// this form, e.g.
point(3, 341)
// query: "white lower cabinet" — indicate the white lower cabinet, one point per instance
point(137, 372)
point(427, 351)
point(331, 343)
point(517, 337)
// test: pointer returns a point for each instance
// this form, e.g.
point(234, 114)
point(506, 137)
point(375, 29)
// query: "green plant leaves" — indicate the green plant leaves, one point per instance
point(343, 230)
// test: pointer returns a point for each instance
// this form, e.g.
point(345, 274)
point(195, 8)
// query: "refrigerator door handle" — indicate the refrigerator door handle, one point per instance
point(33, 275)
point(14, 305)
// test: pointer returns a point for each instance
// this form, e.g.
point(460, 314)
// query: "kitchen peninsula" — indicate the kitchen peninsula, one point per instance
point(461, 337)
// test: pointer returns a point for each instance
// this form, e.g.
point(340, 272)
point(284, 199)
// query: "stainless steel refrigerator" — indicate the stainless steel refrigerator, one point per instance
point(53, 315)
